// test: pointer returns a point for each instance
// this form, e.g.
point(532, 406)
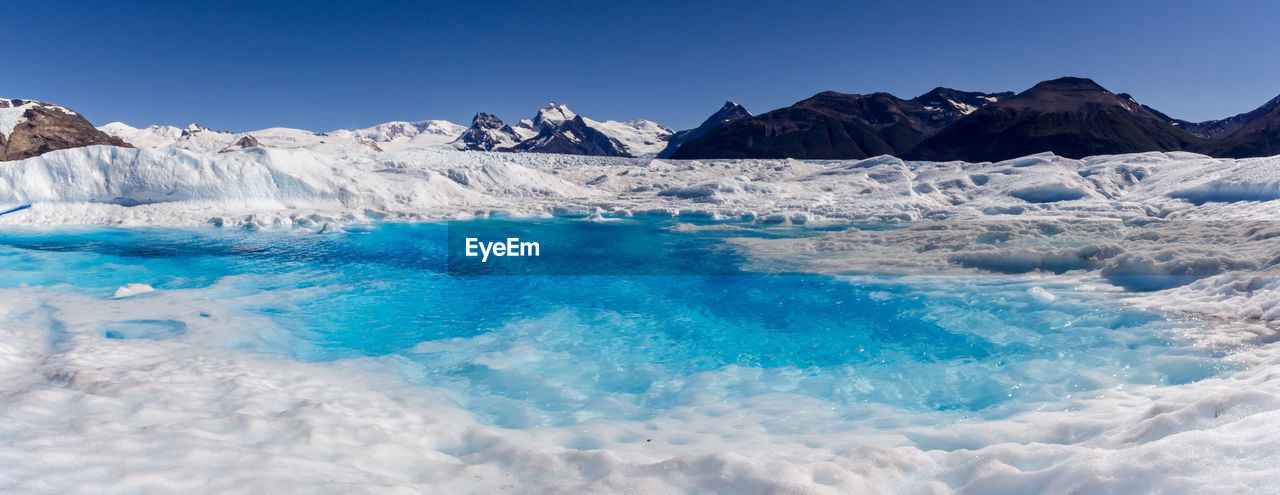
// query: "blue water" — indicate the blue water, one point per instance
point(637, 319)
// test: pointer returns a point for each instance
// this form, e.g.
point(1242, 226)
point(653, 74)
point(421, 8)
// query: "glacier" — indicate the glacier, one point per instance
point(1175, 232)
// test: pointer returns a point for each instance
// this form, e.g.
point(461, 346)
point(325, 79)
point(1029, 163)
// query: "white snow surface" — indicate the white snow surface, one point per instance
point(641, 137)
point(389, 136)
point(12, 116)
point(86, 414)
point(396, 136)
point(130, 290)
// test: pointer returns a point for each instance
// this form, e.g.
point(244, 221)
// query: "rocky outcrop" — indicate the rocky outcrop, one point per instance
point(487, 133)
point(248, 141)
point(31, 128)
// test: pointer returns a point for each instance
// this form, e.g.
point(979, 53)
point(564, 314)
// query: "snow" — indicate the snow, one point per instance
point(1170, 231)
point(171, 402)
point(130, 290)
point(554, 114)
point(641, 137)
point(12, 116)
point(964, 108)
point(395, 136)
point(390, 136)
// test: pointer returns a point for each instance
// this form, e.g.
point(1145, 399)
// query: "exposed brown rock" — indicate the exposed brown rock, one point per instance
point(248, 141)
point(46, 127)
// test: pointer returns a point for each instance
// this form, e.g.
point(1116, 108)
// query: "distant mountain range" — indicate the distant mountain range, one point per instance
point(556, 129)
point(838, 125)
point(1072, 117)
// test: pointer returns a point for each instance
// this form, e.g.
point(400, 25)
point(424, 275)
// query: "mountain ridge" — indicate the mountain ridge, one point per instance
point(1069, 116)
point(833, 125)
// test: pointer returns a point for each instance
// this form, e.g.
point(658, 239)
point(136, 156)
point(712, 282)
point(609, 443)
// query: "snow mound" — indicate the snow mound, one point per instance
point(130, 290)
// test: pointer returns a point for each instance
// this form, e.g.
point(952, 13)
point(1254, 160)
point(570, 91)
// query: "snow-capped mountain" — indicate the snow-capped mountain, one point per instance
point(552, 115)
point(29, 128)
point(728, 113)
point(487, 133)
point(572, 137)
point(203, 139)
point(557, 129)
point(390, 136)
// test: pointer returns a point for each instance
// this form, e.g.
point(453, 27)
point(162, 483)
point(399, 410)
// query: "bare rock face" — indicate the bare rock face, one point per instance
point(32, 128)
point(487, 133)
point(248, 141)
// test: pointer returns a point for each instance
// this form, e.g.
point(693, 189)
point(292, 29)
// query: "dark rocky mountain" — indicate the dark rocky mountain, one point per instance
point(555, 129)
point(31, 128)
point(1259, 135)
point(571, 137)
point(1070, 117)
point(833, 125)
point(728, 113)
point(487, 133)
point(1214, 129)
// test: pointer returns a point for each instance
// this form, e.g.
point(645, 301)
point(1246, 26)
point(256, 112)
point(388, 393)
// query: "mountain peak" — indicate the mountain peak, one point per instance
point(1070, 116)
point(553, 114)
point(729, 112)
point(487, 133)
point(1068, 84)
point(30, 128)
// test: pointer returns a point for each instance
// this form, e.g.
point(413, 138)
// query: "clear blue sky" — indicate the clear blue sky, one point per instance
point(322, 65)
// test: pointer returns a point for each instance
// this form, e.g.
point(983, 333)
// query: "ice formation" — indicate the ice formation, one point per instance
point(1173, 231)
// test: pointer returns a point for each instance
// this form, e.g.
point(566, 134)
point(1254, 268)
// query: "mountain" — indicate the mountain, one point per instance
point(30, 128)
point(833, 125)
point(487, 133)
point(1214, 129)
point(390, 136)
point(552, 115)
point(1071, 117)
point(572, 137)
point(1258, 135)
point(557, 129)
point(420, 134)
point(728, 113)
